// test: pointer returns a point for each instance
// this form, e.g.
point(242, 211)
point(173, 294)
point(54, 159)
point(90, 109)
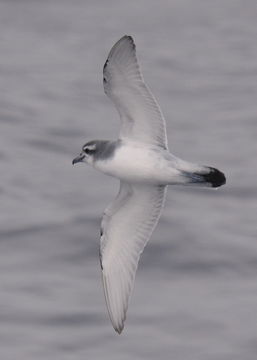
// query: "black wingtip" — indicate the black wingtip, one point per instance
point(119, 329)
point(129, 38)
point(215, 177)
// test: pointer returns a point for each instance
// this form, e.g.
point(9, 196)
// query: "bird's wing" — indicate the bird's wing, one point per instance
point(141, 116)
point(126, 227)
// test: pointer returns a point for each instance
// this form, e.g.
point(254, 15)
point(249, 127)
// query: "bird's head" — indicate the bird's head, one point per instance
point(87, 155)
point(96, 150)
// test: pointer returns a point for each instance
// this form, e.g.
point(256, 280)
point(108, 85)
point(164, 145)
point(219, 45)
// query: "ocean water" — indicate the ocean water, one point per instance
point(195, 295)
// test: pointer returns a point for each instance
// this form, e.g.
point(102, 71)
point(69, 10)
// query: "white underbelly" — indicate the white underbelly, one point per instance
point(137, 164)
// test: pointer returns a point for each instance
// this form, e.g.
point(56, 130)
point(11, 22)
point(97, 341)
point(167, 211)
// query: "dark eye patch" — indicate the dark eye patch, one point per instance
point(89, 151)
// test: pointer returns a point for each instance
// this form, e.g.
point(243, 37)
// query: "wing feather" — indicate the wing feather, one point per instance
point(126, 227)
point(140, 114)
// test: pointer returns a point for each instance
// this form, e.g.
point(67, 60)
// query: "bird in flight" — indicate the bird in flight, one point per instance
point(141, 160)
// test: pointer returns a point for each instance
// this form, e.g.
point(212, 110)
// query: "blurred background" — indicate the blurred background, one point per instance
point(195, 295)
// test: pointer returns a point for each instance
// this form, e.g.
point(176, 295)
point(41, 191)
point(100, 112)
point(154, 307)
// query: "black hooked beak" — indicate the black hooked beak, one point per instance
point(78, 159)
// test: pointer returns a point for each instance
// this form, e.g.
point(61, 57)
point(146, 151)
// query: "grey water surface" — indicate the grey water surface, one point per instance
point(195, 295)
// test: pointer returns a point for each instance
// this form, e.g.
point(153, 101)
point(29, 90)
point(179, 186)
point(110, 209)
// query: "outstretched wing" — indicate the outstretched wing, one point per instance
point(141, 116)
point(126, 227)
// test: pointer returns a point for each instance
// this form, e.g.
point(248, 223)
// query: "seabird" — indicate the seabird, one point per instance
point(140, 158)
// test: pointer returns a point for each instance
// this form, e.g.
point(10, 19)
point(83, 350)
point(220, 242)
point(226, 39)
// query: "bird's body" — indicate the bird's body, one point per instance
point(137, 163)
point(141, 160)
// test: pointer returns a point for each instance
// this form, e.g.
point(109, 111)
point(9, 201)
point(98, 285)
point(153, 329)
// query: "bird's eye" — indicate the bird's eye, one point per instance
point(89, 151)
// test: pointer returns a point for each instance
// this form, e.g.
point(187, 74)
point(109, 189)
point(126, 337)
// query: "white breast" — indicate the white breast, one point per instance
point(136, 163)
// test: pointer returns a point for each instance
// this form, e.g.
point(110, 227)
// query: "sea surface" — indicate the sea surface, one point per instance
point(195, 295)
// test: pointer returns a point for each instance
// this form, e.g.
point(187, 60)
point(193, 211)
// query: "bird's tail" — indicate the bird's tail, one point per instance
point(207, 176)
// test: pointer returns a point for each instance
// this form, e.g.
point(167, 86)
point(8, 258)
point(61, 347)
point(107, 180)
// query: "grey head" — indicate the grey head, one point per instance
point(95, 150)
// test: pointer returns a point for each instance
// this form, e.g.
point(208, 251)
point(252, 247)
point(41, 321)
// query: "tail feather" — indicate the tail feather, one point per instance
point(215, 177)
point(212, 177)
